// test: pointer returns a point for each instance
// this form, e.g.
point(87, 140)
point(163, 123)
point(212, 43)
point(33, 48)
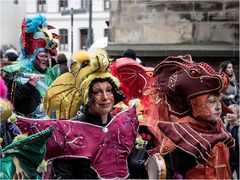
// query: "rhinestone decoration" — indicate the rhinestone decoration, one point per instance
point(105, 129)
point(172, 81)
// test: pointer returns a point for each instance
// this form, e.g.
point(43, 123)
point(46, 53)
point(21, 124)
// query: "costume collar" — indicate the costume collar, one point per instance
point(194, 137)
point(93, 119)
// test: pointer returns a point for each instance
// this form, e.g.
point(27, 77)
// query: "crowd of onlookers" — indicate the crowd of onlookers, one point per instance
point(231, 99)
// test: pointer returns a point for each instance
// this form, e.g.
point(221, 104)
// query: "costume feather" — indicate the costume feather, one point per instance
point(3, 88)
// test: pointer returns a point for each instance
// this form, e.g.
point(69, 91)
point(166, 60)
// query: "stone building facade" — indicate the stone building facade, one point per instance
point(74, 34)
point(155, 29)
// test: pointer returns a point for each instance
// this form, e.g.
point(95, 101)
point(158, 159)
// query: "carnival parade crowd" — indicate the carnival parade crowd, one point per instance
point(114, 119)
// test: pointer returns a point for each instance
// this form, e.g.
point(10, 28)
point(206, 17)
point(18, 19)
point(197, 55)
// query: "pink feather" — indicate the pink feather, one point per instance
point(3, 88)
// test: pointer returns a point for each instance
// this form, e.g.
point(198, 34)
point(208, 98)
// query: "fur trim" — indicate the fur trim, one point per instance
point(81, 56)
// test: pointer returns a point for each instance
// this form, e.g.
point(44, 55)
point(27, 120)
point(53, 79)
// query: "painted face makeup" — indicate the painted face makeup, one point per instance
point(214, 107)
point(103, 99)
point(207, 107)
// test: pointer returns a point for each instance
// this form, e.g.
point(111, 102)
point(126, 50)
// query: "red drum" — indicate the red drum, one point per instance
point(156, 167)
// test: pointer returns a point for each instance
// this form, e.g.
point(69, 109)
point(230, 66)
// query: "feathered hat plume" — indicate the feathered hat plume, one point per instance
point(36, 37)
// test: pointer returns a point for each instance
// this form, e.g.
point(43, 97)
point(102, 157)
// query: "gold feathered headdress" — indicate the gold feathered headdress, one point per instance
point(71, 90)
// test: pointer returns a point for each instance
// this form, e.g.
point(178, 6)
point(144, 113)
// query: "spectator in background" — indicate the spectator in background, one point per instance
point(232, 125)
point(231, 95)
point(62, 61)
point(52, 61)
point(11, 55)
point(129, 53)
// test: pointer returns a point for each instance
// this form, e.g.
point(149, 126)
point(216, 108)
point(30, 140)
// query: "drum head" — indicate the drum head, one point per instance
point(156, 167)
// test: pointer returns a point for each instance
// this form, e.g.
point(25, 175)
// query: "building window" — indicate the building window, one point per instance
point(63, 40)
point(63, 5)
point(41, 5)
point(83, 38)
point(83, 4)
point(106, 5)
point(106, 31)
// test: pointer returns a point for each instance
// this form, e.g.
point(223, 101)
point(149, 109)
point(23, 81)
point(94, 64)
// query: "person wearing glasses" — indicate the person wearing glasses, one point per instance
point(31, 77)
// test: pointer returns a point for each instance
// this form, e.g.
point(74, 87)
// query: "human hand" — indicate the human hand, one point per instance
point(19, 173)
point(33, 80)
